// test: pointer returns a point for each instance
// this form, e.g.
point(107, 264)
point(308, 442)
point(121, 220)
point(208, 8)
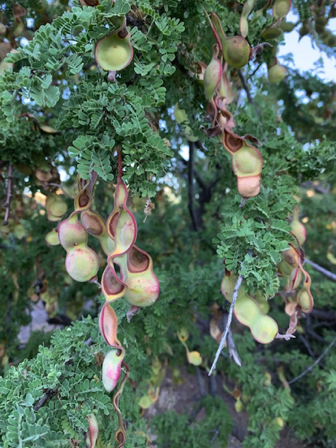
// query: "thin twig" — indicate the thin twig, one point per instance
point(191, 186)
point(201, 382)
point(247, 90)
point(310, 368)
point(322, 270)
point(227, 327)
point(42, 401)
point(255, 71)
point(9, 195)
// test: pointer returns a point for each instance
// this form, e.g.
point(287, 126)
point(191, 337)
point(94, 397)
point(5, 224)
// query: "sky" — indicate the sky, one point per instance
point(305, 55)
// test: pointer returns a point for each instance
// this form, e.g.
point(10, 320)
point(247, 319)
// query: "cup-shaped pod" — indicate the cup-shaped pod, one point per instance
point(292, 257)
point(112, 368)
point(243, 23)
point(304, 296)
point(72, 233)
point(55, 207)
point(95, 226)
point(108, 325)
point(236, 51)
point(276, 73)
point(295, 278)
point(52, 238)
point(281, 8)
point(82, 263)
point(297, 227)
point(247, 165)
point(92, 435)
point(143, 287)
point(113, 288)
point(246, 310)
point(213, 74)
point(114, 52)
point(264, 329)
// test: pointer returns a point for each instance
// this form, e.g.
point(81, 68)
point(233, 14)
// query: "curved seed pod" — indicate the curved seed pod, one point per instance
point(295, 278)
point(236, 51)
point(213, 74)
point(264, 329)
point(121, 225)
point(112, 367)
point(92, 436)
point(112, 287)
point(276, 73)
point(95, 226)
point(243, 23)
point(143, 287)
point(304, 296)
point(114, 52)
point(217, 29)
point(72, 233)
point(108, 325)
point(281, 8)
point(82, 263)
point(292, 257)
point(83, 200)
point(297, 227)
point(52, 238)
point(225, 89)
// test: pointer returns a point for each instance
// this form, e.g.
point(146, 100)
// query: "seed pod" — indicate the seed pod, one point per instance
point(52, 238)
point(281, 8)
point(55, 207)
point(114, 52)
point(287, 27)
point(247, 165)
point(112, 368)
point(225, 89)
point(93, 431)
point(108, 325)
point(264, 329)
point(246, 310)
point(276, 73)
point(273, 32)
point(112, 287)
point(262, 302)
point(236, 51)
point(297, 227)
point(243, 23)
point(72, 233)
point(95, 226)
point(213, 74)
point(304, 296)
point(82, 263)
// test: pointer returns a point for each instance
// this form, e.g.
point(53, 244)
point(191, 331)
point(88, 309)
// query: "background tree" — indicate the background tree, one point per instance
point(172, 102)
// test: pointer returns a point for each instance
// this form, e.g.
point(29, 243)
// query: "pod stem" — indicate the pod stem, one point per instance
point(119, 163)
point(229, 320)
point(9, 195)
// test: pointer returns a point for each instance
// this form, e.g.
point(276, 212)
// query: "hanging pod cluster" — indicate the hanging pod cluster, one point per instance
point(245, 158)
point(248, 312)
point(135, 280)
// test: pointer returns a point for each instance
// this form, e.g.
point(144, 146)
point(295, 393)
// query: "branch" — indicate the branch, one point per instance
point(315, 363)
point(247, 90)
point(227, 327)
point(323, 271)
point(42, 401)
point(9, 195)
point(191, 186)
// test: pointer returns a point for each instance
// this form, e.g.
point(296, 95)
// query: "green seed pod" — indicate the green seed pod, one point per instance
point(243, 23)
point(281, 8)
point(298, 228)
point(287, 27)
point(213, 74)
point(304, 296)
point(272, 33)
point(246, 310)
point(276, 73)
point(236, 51)
point(52, 238)
point(114, 52)
point(72, 233)
point(264, 329)
point(82, 264)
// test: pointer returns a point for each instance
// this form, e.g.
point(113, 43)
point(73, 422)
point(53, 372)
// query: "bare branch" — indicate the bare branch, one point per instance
point(247, 90)
point(322, 270)
point(310, 368)
point(9, 195)
point(227, 327)
point(191, 186)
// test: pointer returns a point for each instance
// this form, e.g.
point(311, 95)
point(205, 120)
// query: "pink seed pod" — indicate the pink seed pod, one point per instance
point(92, 436)
point(71, 233)
point(112, 368)
point(108, 325)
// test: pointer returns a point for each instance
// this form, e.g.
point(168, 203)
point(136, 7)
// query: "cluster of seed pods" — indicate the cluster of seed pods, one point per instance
point(252, 311)
point(135, 280)
point(245, 158)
